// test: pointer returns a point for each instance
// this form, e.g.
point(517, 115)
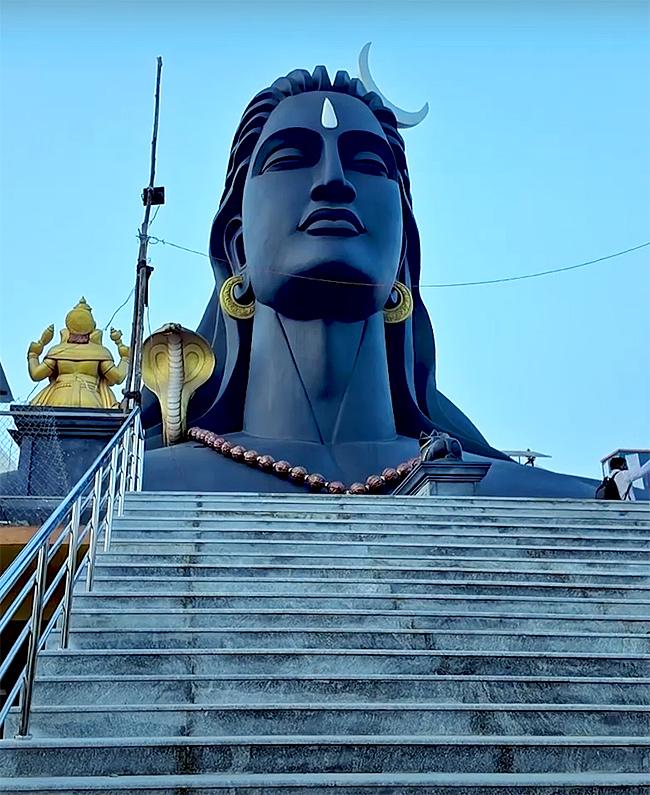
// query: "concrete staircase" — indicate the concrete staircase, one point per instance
point(265, 645)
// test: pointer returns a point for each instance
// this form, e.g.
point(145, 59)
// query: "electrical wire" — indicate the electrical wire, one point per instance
point(447, 284)
point(155, 214)
point(422, 286)
point(540, 273)
point(149, 321)
point(128, 298)
point(24, 400)
point(155, 240)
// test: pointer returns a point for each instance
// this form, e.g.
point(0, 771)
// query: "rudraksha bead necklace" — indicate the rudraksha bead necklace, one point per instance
point(298, 475)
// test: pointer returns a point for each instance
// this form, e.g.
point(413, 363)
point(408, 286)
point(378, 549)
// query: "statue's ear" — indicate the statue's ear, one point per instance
point(233, 239)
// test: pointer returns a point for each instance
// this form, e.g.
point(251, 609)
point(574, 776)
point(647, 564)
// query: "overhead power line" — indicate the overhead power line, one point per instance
point(540, 273)
point(155, 240)
point(461, 284)
point(120, 307)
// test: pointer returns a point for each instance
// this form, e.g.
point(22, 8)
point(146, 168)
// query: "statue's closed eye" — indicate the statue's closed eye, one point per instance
point(369, 163)
point(285, 159)
point(296, 148)
point(367, 153)
point(286, 150)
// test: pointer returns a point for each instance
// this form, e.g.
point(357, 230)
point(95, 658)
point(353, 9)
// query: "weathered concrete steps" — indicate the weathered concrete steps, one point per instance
point(263, 645)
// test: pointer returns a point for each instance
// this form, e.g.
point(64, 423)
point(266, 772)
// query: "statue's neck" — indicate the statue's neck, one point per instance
point(79, 339)
point(318, 381)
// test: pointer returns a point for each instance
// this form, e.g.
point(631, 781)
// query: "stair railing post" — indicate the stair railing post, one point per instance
point(71, 569)
point(94, 527)
point(123, 468)
point(119, 473)
point(134, 449)
point(126, 463)
point(139, 460)
point(34, 635)
point(110, 505)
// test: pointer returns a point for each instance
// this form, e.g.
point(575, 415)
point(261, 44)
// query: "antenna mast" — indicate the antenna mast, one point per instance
point(150, 196)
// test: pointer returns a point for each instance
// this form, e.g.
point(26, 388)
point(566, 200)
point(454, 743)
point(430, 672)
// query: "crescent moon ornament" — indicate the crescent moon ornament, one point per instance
point(405, 118)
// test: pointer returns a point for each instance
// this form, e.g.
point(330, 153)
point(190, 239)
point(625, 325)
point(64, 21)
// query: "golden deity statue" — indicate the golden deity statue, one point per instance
point(81, 370)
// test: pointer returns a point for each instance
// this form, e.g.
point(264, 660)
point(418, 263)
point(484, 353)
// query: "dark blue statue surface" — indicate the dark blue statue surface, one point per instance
point(325, 351)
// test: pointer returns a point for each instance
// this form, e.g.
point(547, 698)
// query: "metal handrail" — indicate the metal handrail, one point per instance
point(82, 517)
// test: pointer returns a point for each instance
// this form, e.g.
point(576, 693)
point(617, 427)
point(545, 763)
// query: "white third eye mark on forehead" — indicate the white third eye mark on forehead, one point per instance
point(328, 116)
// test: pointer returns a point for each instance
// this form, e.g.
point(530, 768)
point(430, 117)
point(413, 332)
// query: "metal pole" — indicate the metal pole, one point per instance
point(70, 573)
point(94, 527)
point(37, 615)
point(143, 271)
point(110, 506)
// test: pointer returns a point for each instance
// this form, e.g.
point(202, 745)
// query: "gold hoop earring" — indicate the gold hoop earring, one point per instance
point(229, 303)
point(403, 309)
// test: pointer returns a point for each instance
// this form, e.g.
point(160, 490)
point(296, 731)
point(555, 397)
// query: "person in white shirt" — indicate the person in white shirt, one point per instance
point(624, 477)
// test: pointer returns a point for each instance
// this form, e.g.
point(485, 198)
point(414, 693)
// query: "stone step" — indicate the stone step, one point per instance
point(216, 539)
point(485, 755)
point(167, 520)
point(128, 637)
point(364, 662)
point(366, 545)
point(383, 596)
point(346, 783)
point(489, 557)
point(112, 611)
point(347, 501)
point(391, 521)
point(259, 689)
point(342, 504)
point(137, 720)
point(361, 557)
point(245, 580)
point(539, 571)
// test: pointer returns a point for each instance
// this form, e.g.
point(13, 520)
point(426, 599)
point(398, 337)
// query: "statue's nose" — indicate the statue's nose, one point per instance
point(331, 184)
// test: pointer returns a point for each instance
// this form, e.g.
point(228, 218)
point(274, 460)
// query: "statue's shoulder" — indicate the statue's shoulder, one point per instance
point(76, 352)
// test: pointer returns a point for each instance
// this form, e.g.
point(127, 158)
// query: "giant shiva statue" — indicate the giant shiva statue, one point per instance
point(325, 356)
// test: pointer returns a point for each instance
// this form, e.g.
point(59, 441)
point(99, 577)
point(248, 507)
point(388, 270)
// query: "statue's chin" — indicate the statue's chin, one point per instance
point(332, 291)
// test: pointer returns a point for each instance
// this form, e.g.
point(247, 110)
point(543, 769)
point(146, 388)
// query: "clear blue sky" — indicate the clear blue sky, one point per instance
point(534, 156)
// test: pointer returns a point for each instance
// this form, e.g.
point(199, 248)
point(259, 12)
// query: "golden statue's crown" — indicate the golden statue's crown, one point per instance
point(80, 320)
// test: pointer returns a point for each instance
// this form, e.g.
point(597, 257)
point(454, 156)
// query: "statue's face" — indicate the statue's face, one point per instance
point(322, 217)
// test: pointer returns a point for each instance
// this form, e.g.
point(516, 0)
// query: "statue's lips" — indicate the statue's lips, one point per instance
point(331, 221)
